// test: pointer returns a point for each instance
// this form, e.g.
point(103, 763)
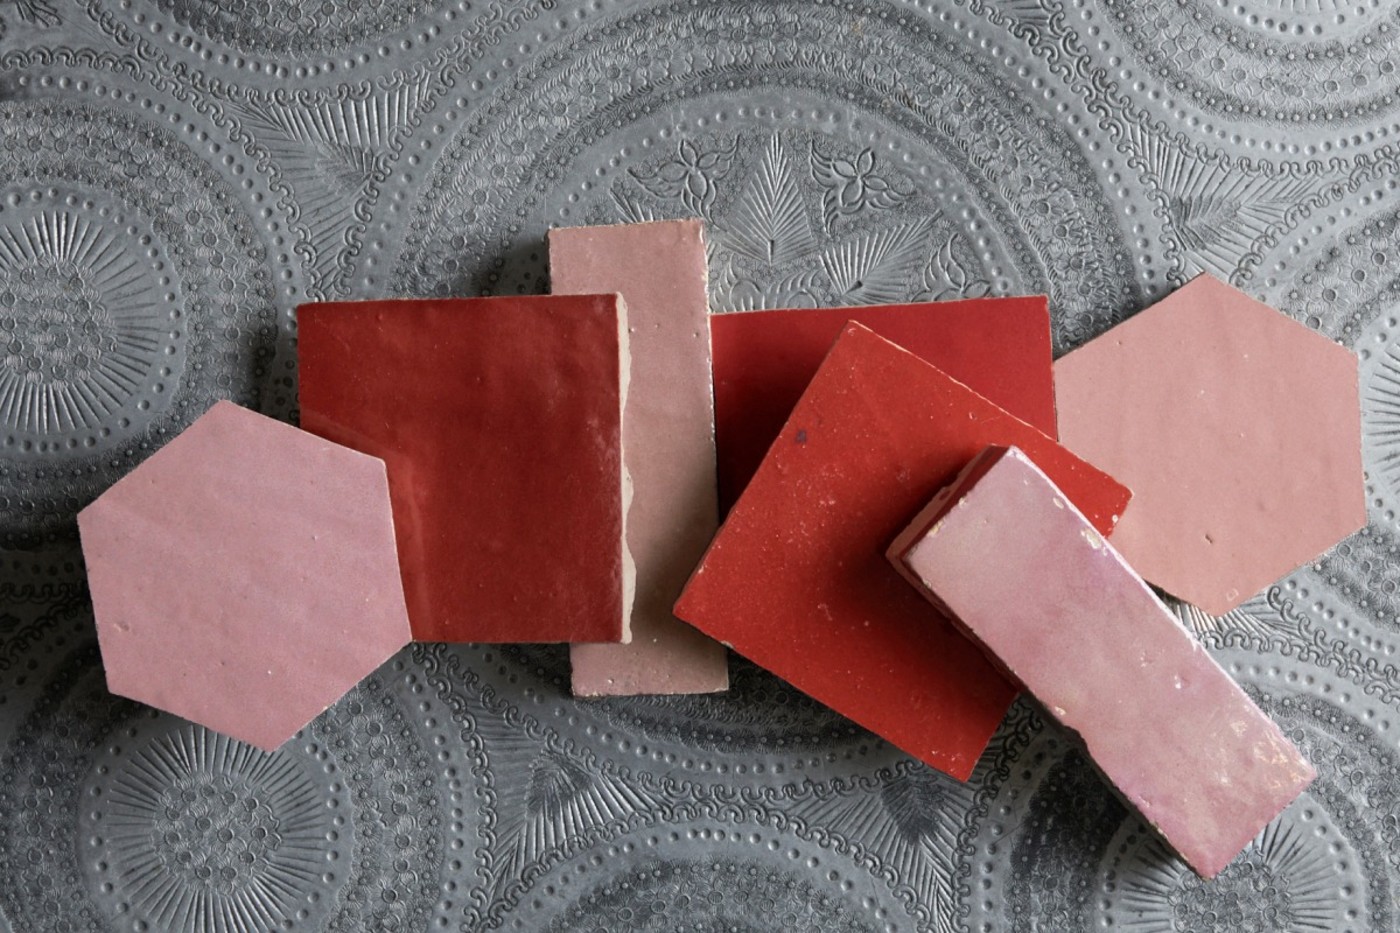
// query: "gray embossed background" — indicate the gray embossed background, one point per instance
point(176, 175)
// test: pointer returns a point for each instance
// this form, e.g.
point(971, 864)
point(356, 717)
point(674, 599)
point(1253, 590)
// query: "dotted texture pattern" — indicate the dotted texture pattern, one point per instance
point(176, 176)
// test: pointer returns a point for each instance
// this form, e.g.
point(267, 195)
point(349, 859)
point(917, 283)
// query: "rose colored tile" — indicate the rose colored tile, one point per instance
point(1008, 555)
point(668, 432)
point(1238, 430)
point(797, 579)
point(998, 347)
point(500, 421)
point(244, 576)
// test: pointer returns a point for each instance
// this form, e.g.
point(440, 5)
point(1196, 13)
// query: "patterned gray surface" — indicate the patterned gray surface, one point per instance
point(175, 176)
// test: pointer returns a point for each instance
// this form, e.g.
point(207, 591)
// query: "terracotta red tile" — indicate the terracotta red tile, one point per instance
point(1028, 577)
point(668, 432)
point(500, 420)
point(244, 576)
point(999, 347)
point(797, 579)
point(1238, 430)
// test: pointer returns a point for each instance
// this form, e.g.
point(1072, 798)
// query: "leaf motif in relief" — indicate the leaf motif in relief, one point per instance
point(946, 276)
point(350, 167)
point(630, 210)
point(335, 150)
point(1218, 212)
point(883, 267)
point(851, 185)
point(561, 798)
point(562, 801)
point(37, 12)
point(768, 222)
point(908, 827)
point(556, 782)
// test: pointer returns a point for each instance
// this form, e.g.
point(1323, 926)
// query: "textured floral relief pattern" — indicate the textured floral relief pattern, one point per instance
point(1016, 198)
point(1323, 62)
point(1058, 850)
point(31, 13)
point(335, 149)
point(133, 293)
point(1221, 213)
point(789, 233)
point(292, 29)
point(176, 176)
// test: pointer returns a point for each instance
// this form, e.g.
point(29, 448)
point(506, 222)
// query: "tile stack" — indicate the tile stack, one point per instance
point(914, 529)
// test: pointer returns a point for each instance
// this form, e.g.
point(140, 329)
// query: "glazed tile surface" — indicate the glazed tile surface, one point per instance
point(175, 177)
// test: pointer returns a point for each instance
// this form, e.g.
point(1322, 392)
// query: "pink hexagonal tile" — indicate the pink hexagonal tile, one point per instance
point(1238, 431)
point(245, 576)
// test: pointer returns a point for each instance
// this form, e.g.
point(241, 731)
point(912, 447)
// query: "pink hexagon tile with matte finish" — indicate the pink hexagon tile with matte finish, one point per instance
point(1238, 430)
point(245, 576)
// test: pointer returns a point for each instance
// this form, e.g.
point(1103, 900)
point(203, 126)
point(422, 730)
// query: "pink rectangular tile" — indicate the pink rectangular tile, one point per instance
point(668, 435)
point(1009, 557)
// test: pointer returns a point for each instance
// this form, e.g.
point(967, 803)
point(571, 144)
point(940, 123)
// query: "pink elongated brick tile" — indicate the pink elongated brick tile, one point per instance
point(669, 447)
point(1008, 556)
point(797, 581)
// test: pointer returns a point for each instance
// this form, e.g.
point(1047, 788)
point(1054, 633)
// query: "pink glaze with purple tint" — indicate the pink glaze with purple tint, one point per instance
point(1029, 579)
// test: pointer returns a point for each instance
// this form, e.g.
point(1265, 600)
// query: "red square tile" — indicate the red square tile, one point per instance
point(500, 422)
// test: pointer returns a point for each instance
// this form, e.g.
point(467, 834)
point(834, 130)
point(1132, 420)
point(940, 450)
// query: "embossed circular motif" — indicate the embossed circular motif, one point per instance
point(217, 829)
point(90, 332)
point(71, 333)
point(197, 825)
point(1056, 846)
point(1284, 881)
point(1252, 897)
point(134, 292)
point(874, 200)
point(1299, 64)
point(272, 26)
point(345, 828)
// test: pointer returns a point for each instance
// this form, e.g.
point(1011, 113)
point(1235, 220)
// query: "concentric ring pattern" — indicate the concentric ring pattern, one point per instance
point(176, 176)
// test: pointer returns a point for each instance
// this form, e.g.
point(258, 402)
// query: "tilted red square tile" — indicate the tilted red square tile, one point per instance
point(797, 579)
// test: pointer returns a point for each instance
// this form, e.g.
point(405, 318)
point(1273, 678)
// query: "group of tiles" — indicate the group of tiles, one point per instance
point(553, 468)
